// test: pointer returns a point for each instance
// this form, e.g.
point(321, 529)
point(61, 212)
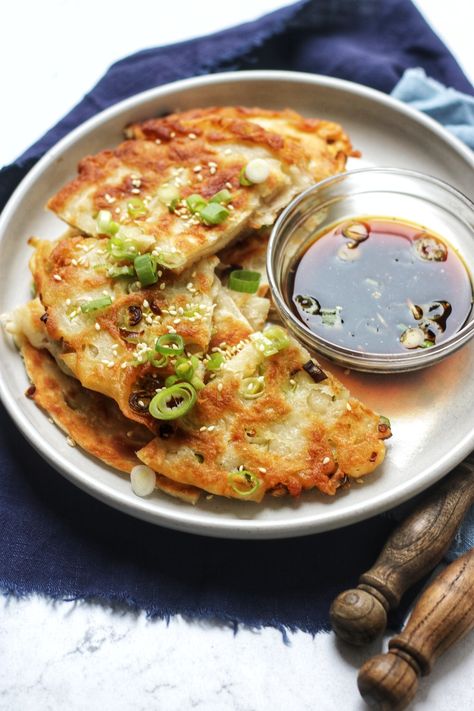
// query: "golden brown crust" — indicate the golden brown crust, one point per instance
point(91, 420)
point(203, 152)
point(298, 435)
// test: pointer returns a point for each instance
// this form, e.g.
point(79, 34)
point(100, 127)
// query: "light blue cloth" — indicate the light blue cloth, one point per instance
point(450, 107)
point(455, 111)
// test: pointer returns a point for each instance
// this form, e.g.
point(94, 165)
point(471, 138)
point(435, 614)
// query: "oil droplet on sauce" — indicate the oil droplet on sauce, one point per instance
point(381, 285)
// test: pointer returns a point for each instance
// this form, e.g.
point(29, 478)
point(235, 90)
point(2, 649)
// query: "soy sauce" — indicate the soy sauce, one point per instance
point(381, 285)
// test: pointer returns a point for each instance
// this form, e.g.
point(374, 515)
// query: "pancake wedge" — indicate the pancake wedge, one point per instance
point(91, 420)
point(161, 187)
point(103, 329)
point(264, 425)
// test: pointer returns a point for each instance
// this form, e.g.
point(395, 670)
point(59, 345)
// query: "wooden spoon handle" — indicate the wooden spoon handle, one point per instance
point(413, 549)
point(443, 614)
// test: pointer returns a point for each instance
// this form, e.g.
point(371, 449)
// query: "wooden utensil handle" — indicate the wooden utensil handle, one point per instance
point(358, 616)
point(420, 542)
point(443, 614)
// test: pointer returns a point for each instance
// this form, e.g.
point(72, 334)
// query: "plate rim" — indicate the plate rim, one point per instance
point(177, 519)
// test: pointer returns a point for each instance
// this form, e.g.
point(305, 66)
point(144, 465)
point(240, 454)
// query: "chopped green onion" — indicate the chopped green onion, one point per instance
point(173, 205)
point(252, 388)
point(196, 202)
point(243, 180)
point(168, 195)
point(257, 171)
point(116, 272)
point(136, 207)
point(145, 268)
point(214, 214)
point(160, 362)
point(171, 380)
point(222, 197)
point(243, 482)
point(384, 421)
point(122, 249)
point(186, 367)
point(173, 402)
point(170, 260)
point(105, 224)
point(244, 280)
point(96, 304)
point(329, 316)
point(215, 361)
point(170, 344)
point(197, 383)
point(271, 341)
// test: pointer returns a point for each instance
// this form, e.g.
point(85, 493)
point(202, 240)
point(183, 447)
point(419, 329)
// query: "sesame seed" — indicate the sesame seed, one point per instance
point(68, 302)
point(56, 277)
point(149, 320)
point(70, 441)
point(109, 199)
point(162, 286)
point(212, 164)
point(192, 136)
point(219, 387)
point(135, 191)
point(123, 365)
point(197, 168)
point(173, 134)
point(228, 151)
point(117, 211)
point(212, 170)
point(326, 460)
point(74, 262)
point(348, 406)
point(97, 326)
point(202, 429)
point(229, 186)
point(146, 304)
point(211, 428)
point(199, 177)
point(262, 469)
point(157, 141)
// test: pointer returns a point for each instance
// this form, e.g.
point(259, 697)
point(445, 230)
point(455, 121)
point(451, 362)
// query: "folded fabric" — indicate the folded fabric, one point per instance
point(455, 110)
point(57, 540)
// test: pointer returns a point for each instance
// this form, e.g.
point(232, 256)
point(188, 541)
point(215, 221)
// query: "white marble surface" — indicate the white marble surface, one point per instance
point(76, 656)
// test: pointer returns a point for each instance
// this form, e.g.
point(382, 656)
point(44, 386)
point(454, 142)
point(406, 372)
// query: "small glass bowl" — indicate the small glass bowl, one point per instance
point(383, 192)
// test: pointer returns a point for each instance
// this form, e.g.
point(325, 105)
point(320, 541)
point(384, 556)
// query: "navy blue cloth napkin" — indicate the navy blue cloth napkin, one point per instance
point(56, 540)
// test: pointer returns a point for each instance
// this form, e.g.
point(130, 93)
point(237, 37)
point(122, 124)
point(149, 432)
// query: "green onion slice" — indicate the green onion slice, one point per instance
point(213, 213)
point(160, 362)
point(170, 260)
point(243, 180)
point(384, 421)
point(271, 341)
point(124, 271)
point(243, 482)
point(222, 197)
point(105, 224)
point(173, 402)
point(122, 249)
point(186, 367)
point(170, 344)
point(145, 268)
point(136, 207)
point(197, 383)
point(215, 361)
point(96, 304)
point(252, 388)
point(244, 280)
point(196, 202)
point(171, 380)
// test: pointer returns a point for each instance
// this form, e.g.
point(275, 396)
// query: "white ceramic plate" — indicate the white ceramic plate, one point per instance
point(430, 410)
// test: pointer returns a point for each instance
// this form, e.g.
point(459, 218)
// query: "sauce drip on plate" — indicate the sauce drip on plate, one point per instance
point(381, 285)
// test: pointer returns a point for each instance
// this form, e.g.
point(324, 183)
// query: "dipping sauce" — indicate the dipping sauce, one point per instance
point(381, 285)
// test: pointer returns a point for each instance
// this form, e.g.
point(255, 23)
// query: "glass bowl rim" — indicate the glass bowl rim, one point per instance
point(368, 361)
